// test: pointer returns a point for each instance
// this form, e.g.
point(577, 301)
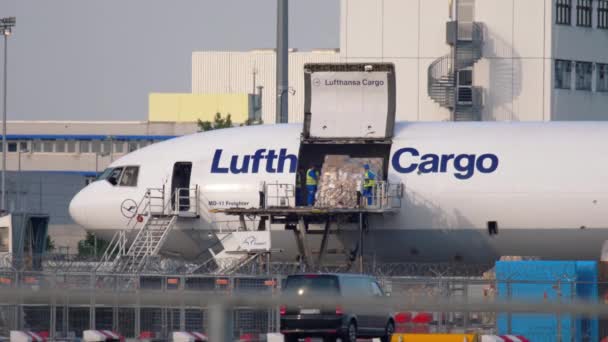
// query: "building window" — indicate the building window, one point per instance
point(23, 146)
point(602, 77)
point(132, 146)
point(85, 147)
point(584, 8)
point(96, 146)
point(602, 14)
point(584, 71)
point(60, 146)
point(118, 146)
point(12, 147)
point(71, 146)
point(563, 12)
point(563, 72)
point(106, 146)
point(36, 146)
point(47, 146)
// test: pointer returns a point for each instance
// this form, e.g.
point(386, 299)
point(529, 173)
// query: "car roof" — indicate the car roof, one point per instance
point(340, 275)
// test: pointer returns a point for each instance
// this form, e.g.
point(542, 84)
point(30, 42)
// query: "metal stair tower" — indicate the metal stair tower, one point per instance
point(465, 102)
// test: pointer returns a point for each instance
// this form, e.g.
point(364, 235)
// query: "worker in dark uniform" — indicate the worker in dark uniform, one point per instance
point(312, 180)
point(369, 181)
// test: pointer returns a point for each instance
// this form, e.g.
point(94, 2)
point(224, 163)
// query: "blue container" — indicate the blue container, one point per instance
point(551, 281)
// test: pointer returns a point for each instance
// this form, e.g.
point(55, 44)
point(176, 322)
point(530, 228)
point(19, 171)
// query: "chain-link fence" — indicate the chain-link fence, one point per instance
point(66, 304)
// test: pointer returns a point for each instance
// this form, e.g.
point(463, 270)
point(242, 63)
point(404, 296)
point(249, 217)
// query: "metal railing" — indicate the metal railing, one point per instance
point(279, 195)
point(154, 202)
point(442, 80)
point(385, 195)
point(65, 304)
point(441, 83)
point(186, 201)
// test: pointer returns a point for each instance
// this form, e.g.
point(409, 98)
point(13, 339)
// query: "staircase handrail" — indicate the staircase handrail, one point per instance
point(441, 68)
point(166, 203)
point(178, 196)
point(118, 245)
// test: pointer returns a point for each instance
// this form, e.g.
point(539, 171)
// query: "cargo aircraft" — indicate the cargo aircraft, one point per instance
point(472, 191)
point(469, 191)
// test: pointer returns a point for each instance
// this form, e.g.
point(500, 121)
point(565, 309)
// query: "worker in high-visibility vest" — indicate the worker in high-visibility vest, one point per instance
point(312, 179)
point(369, 181)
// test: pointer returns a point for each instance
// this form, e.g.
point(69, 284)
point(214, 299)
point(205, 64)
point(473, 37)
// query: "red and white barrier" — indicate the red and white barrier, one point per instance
point(188, 336)
point(101, 335)
point(26, 336)
point(503, 338)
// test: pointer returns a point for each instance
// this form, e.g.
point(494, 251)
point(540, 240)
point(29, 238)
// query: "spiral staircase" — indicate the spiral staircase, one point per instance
point(465, 102)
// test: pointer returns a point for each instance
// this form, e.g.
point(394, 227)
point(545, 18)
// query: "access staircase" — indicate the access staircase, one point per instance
point(233, 256)
point(150, 225)
point(466, 102)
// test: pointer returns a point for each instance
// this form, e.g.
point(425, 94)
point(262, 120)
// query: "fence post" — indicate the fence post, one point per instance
point(467, 314)
point(509, 316)
point(137, 310)
point(115, 309)
point(559, 316)
point(182, 309)
point(164, 310)
point(53, 308)
point(92, 324)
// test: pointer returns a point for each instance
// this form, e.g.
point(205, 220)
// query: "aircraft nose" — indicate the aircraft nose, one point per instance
point(78, 208)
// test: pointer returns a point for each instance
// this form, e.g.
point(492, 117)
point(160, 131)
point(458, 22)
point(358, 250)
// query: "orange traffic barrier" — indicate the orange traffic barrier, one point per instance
point(435, 338)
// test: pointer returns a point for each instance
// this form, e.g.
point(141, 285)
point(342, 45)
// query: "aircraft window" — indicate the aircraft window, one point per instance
point(105, 174)
point(115, 176)
point(129, 177)
point(4, 239)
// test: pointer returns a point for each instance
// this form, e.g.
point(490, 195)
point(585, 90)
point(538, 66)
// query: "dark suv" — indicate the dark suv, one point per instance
point(331, 321)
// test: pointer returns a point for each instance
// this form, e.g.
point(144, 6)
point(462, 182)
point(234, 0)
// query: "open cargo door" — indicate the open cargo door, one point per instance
point(349, 122)
point(349, 102)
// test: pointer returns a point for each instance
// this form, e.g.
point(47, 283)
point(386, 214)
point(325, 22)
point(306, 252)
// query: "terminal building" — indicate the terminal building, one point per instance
point(462, 60)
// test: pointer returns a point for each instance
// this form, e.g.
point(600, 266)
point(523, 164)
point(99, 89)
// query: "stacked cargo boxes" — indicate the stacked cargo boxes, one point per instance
point(341, 179)
point(551, 281)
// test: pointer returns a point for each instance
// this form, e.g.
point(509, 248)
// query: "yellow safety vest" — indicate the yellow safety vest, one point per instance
point(369, 180)
point(309, 179)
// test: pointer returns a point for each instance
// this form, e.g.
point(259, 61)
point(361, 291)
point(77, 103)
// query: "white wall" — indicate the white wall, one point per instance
point(408, 33)
point(580, 44)
point(516, 59)
point(411, 34)
point(232, 72)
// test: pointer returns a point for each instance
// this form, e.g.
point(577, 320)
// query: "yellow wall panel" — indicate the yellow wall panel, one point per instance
point(191, 107)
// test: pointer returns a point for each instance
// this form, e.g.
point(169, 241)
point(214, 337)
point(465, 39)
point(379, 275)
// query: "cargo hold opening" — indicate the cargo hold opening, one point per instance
point(314, 154)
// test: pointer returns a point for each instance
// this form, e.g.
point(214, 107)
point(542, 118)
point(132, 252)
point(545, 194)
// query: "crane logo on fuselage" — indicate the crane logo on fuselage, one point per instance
point(404, 160)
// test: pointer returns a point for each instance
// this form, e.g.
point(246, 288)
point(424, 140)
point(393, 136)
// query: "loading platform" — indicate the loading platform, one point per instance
point(298, 218)
point(304, 211)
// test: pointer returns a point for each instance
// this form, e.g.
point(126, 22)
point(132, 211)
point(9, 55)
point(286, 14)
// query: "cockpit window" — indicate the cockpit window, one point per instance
point(129, 177)
point(105, 174)
point(114, 175)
